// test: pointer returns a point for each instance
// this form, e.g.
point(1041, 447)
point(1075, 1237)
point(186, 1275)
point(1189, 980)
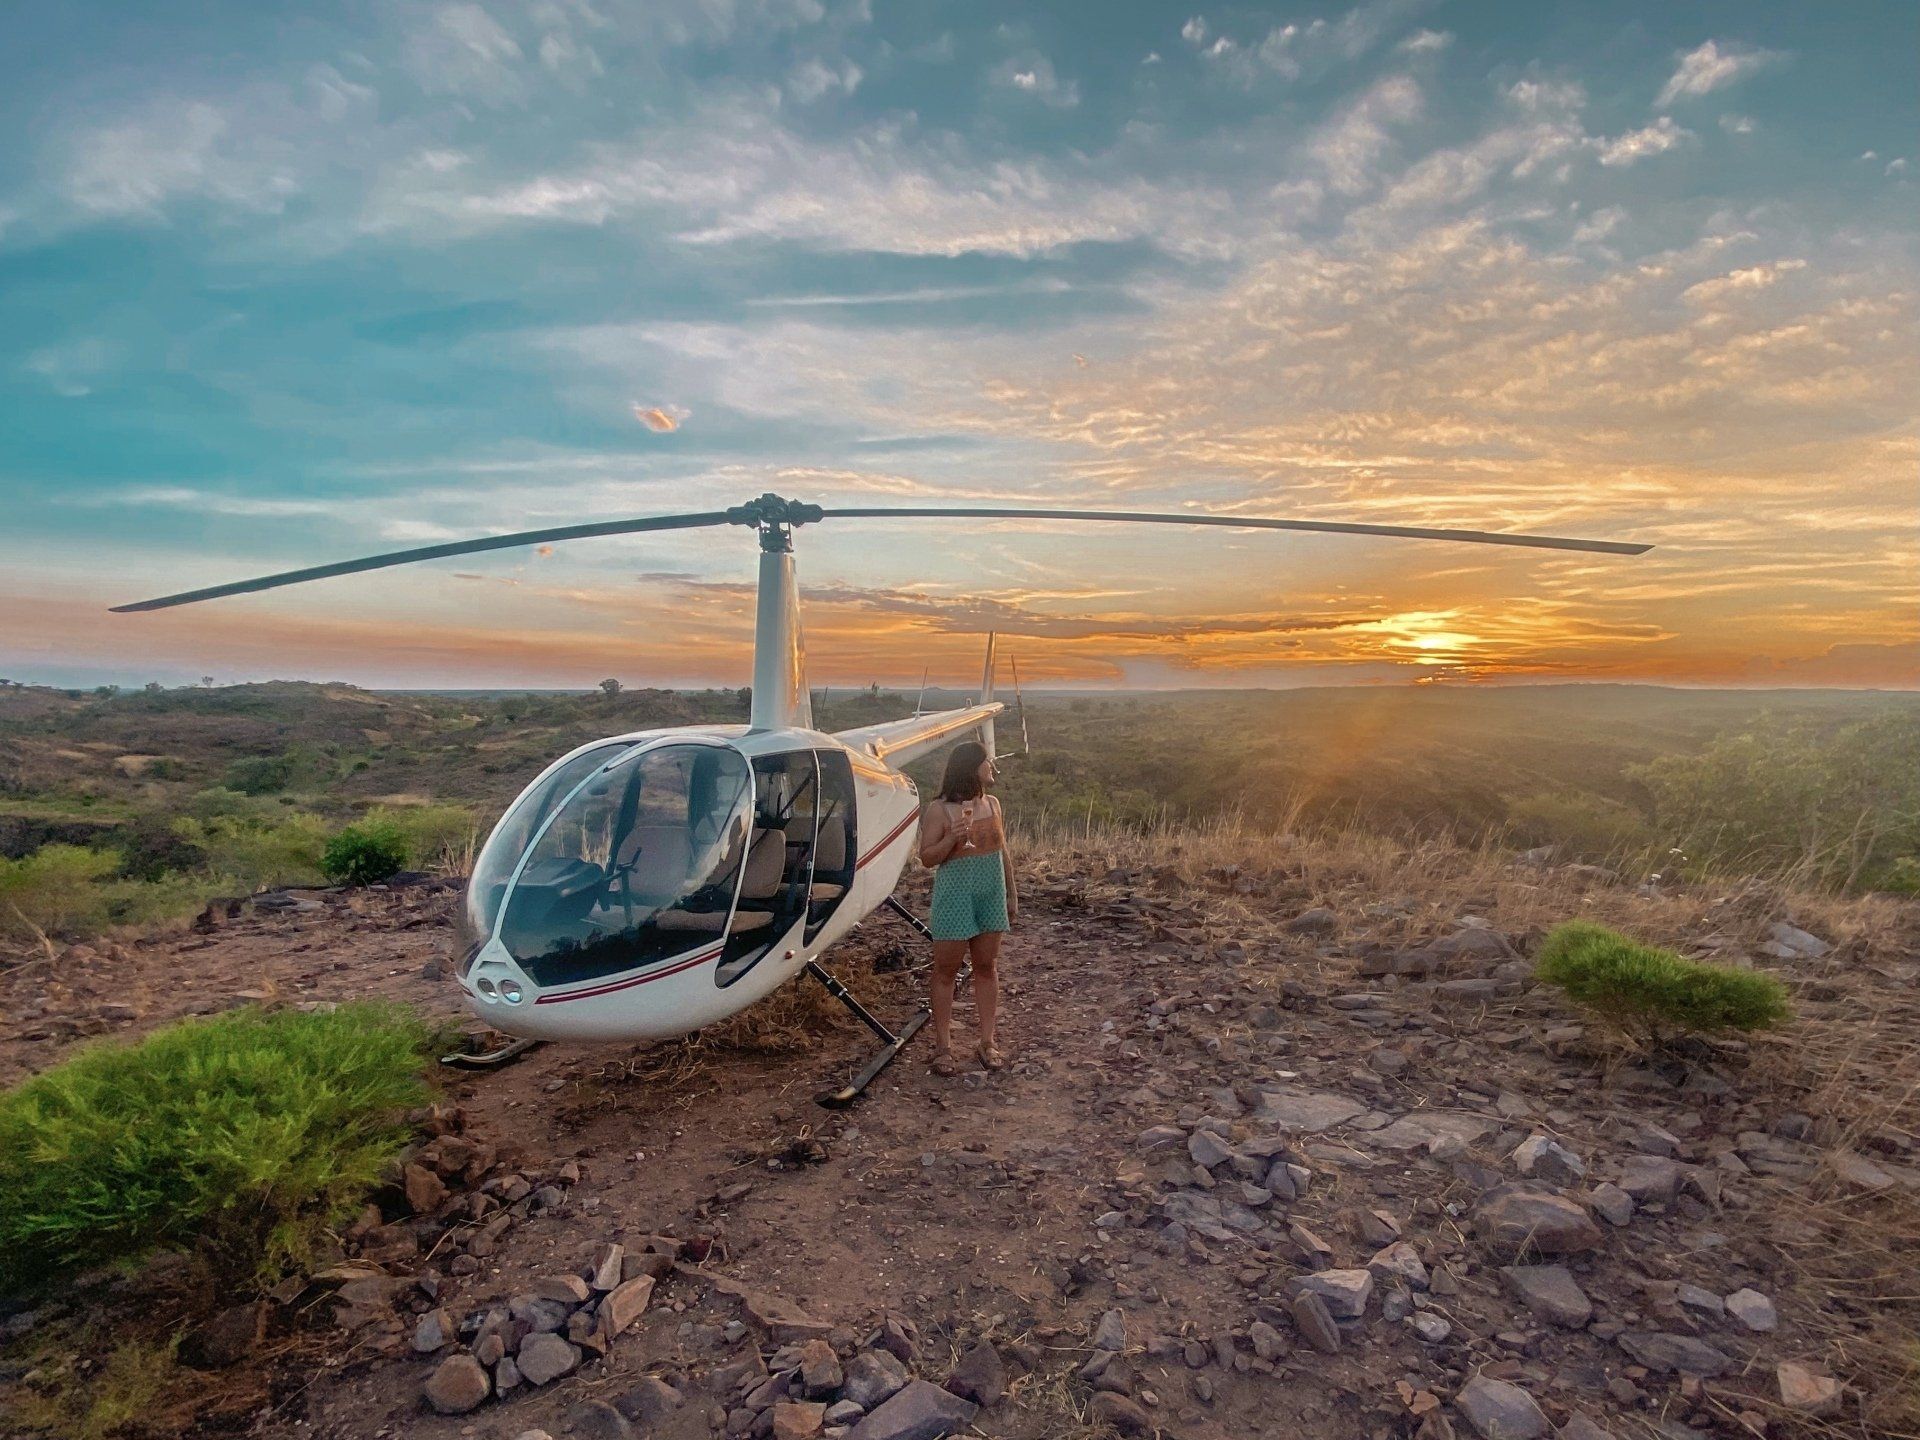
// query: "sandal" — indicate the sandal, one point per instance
point(990, 1057)
point(943, 1063)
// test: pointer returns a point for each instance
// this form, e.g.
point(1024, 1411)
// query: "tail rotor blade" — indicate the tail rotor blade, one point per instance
point(432, 552)
point(1242, 522)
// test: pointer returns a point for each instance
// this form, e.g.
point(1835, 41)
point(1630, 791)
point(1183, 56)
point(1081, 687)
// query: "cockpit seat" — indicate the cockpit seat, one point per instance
point(655, 861)
point(766, 863)
point(829, 858)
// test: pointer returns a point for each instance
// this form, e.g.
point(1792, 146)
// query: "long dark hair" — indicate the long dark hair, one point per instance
point(962, 780)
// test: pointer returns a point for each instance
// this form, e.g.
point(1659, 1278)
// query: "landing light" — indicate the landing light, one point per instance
point(485, 987)
point(511, 991)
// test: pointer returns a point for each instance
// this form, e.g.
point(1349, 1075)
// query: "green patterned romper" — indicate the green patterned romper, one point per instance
point(970, 889)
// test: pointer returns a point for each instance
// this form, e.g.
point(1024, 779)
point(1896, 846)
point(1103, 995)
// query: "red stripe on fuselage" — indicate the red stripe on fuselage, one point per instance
point(628, 984)
point(891, 837)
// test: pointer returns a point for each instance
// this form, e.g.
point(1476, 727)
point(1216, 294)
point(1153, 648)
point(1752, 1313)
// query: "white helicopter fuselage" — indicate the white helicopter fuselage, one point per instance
point(676, 993)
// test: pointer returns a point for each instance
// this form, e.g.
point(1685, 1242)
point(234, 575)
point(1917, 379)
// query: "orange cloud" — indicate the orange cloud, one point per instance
point(657, 419)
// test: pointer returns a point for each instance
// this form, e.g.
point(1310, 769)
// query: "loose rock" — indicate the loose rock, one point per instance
point(798, 1419)
point(873, 1376)
point(597, 1420)
point(1551, 1293)
point(1316, 1322)
point(1675, 1354)
point(981, 1376)
point(1344, 1292)
point(545, 1357)
point(1753, 1310)
point(1118, 1412)
point(458, 1385)
point(920, 1411)
point(1806, 1391)
point(1548, 1160)
point(1499, 1411)
point(1514, 1221)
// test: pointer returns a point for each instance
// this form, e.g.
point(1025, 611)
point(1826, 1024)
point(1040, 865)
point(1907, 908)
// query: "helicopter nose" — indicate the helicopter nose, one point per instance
point(494, 981)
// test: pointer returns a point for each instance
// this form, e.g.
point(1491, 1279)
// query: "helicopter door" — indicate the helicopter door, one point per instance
point(776, 890)
point(640, 863)
point(834, 851)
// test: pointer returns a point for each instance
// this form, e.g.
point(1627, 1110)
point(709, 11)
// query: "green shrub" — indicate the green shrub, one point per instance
point(254, 851)
point(435, 834)
point(260, 774)
point(1655, 993)
point(365, 854)
point(245, 1135)
point(70, 891)
point(58, 889)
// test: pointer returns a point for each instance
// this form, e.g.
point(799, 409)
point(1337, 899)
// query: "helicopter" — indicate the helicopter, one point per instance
point(648, 884)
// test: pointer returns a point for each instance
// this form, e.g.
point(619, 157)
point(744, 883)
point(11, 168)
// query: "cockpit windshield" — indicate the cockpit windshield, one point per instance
point(640, 864)
point(501, 854)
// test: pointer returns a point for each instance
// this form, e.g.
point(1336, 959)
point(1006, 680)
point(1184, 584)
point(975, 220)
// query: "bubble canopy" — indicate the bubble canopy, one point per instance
point(618, 857)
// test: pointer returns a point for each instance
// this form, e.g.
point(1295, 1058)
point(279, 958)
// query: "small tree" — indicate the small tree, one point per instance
point(610, 687)
point(1655, 995)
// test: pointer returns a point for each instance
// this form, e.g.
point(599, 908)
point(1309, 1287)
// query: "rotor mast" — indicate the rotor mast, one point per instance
point(781, 699)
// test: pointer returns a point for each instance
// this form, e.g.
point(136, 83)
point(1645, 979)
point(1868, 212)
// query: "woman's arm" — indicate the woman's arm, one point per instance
point(938, 840)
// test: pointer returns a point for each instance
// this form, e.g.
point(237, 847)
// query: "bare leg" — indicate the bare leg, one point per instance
point(948, 957)
point(985, 952)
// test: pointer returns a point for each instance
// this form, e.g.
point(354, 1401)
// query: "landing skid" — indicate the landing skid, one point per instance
point(891, 1044)
point(907, 915)
point(491, 1059)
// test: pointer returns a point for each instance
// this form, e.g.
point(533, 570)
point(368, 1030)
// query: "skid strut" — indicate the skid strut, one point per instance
point(891, 1044)
point(492, 1059)
point(907, 915)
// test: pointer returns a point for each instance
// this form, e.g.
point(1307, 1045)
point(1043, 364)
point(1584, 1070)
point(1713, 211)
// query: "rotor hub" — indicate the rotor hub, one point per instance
point(774, 517)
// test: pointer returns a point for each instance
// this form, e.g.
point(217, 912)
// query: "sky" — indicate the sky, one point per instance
point(284, 285)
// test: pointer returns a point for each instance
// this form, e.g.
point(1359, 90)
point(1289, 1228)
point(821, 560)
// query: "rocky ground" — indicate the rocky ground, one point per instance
point(1288, 1148)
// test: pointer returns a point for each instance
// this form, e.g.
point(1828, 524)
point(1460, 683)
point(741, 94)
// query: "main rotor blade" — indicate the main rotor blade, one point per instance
point(432, 552)
point(1244, 522)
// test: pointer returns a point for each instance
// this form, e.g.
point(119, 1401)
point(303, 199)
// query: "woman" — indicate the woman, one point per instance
point(963, 840)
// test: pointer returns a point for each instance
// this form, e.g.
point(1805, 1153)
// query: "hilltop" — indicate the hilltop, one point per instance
point(1242, 1073)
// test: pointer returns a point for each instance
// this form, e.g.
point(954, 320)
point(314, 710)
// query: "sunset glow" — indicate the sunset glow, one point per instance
point(277, 295)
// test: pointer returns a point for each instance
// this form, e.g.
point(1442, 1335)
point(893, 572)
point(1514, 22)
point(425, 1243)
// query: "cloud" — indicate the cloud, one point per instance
point(1347, 147)
point(1194, 32)
point(1737, 124)
point(1754, 277)
point(1426, 42)
point(1655, 139)
point(460, 49)
point(171, 147)
point(811, 79)
point(1033, 74)
point(733, 174)
point(1711, 67)
point(1599, 225)
point(661, 420)
point(72, 368)
point(1295, 50)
